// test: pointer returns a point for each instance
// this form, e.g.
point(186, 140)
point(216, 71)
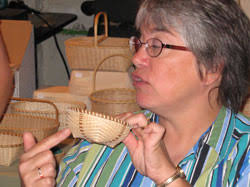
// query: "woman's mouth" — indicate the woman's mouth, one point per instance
point(137, 81)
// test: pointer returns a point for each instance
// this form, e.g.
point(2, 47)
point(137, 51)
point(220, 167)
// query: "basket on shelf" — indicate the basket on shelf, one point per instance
point(11, 146)
point(85, 52)
point(38, 122)
point(45, 109)
point(97, 127)
point(112, 101)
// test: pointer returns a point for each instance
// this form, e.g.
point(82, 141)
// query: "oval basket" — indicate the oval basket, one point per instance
point(97, 127)
point(37, 122)
point(112, 101)
point(40, 127)
point(11, 147)
point(46, 109)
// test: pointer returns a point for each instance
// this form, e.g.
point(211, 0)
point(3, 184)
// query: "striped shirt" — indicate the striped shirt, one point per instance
point(221, 157)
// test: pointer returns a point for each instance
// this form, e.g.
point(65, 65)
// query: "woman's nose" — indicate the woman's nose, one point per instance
point(140, 58)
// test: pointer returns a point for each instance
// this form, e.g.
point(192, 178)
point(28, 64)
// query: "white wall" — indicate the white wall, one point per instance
point(50, 65)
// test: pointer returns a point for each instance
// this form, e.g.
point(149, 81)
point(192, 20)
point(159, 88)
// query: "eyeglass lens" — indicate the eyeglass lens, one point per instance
point(153, 46)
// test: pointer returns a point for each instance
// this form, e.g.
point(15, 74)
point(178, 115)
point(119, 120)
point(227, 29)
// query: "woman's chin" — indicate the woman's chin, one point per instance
point(142, 102)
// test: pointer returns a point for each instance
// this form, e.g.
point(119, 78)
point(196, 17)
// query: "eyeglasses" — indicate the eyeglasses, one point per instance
point(153, 46)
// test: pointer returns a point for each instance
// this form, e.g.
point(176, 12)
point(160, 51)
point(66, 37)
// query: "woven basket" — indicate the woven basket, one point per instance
point(96, 127)
point(112, 101)
point(40, 123)
point(40, 127)
point(44, 108)
point(11, 147)
point(85, 52)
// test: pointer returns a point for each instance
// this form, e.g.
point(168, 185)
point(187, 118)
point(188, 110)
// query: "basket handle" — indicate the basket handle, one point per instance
point(100, 63)
point(96, 21)
point(39, 100)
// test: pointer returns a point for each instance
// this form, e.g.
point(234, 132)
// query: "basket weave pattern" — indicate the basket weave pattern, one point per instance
point(11, 146)
point(86, 52)
point(96, 127)
point(43, 109)
point(40, 127)
point(112, 101)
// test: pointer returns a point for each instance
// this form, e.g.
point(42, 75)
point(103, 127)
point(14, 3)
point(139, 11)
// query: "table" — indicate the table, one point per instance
point(56, 21)
point(41, 29)
point(9, 175)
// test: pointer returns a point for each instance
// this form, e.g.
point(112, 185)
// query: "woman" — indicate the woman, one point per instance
point(191, 74)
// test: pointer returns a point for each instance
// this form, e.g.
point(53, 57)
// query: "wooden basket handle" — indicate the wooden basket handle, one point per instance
point(96, 21)
point(100, 63)
point(41, 101)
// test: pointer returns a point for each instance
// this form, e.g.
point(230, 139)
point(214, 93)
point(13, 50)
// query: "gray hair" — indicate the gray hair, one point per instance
point(216, 31)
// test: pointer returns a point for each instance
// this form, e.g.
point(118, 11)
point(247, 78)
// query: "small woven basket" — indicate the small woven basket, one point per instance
point(96, 127)
point(112, 101)
point(11, 147)
point(85, 52)
point(45, 109)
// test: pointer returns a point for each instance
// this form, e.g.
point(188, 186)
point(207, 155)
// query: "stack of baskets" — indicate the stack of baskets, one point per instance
point(88, 54)
point(13, 125)
point(37, 121)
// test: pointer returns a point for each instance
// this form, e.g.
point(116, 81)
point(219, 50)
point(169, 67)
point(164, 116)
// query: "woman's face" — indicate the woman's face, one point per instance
point(168, 81)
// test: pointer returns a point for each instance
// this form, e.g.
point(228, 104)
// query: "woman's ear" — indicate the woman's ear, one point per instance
point(213, 76)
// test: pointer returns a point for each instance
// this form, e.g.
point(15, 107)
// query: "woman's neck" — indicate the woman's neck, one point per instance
point(183, 130)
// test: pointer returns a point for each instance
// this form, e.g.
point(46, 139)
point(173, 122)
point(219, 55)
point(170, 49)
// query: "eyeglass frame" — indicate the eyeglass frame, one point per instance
point(163, 45)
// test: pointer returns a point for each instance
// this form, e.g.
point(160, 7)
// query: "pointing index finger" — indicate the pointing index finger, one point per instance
point(49, 142)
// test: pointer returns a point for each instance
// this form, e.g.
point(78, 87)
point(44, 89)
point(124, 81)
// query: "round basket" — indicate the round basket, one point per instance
point(46, 109)
point(40, 127)
point(112, 101)
point(11, 147)
point(97, 127)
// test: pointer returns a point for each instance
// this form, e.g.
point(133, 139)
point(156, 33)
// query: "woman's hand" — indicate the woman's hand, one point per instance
point(146, 147)
point(37, 166)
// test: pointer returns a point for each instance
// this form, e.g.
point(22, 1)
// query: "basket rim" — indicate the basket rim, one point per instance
point(54, 125)
point(11, 134)
point(128, 101)
point(99, 119)
point(32, 100)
